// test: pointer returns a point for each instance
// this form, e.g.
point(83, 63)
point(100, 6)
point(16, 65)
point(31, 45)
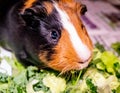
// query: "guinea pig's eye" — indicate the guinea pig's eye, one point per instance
point(54, 34)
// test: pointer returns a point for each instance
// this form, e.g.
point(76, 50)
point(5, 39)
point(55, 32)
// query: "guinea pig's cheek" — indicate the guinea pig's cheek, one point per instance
point(65, 58)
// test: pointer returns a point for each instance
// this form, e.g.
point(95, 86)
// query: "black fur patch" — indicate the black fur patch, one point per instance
point(29, 33)
point(39, 26)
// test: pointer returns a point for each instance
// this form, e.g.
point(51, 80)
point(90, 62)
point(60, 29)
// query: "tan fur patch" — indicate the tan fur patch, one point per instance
point(48, 6)
point(28, 4)
point(72, 4)
point(66, 1)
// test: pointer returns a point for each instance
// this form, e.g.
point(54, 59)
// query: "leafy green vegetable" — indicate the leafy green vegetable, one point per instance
point(101, 66)
point(36, 86)
point(101, 76)
point(108, 58)
point(116, 47)
point(92, 87)
point(100, 47)
point(105, 61)
point(4, 78)
point(118, 89)
point(56, 84)
point(116, 67)
point(40, 86)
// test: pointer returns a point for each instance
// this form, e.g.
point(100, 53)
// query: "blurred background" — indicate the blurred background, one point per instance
point(102, 21)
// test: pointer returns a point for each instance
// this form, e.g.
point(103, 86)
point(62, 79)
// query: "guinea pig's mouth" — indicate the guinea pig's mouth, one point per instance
point(68, 65)
point(84, 64)
point(77, 66)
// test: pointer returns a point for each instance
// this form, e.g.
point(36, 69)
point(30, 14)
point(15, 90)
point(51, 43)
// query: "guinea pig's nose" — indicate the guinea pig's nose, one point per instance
point(85, 61)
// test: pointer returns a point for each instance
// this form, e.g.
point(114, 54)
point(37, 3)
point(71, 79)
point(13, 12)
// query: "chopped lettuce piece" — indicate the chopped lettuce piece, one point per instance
point(4, 78)
point(108, 58)
point(9, 64)
point(101, 66)
point(117, 69)
point(92, 87)
point(39, 86)
point(5, 67)
point(97, 54)
point(106, 61)
point(100, 47)
point(30, 89)
point(56, 84)
point(116, 47)
point(118, 89)
point(104, 81)
point(97, 77)
point(113, 82)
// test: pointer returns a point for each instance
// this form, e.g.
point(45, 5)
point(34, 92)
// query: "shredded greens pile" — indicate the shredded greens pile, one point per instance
point(101, 76)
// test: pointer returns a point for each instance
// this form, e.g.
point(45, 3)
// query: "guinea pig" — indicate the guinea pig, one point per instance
point(46, 33)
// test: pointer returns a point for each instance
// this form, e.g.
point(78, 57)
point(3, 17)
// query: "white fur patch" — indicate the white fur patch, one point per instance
point(81, 49)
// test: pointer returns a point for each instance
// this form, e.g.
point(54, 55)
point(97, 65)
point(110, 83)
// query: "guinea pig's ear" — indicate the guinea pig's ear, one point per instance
point(83, 9)
point(28, 17)
point(32, 15)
